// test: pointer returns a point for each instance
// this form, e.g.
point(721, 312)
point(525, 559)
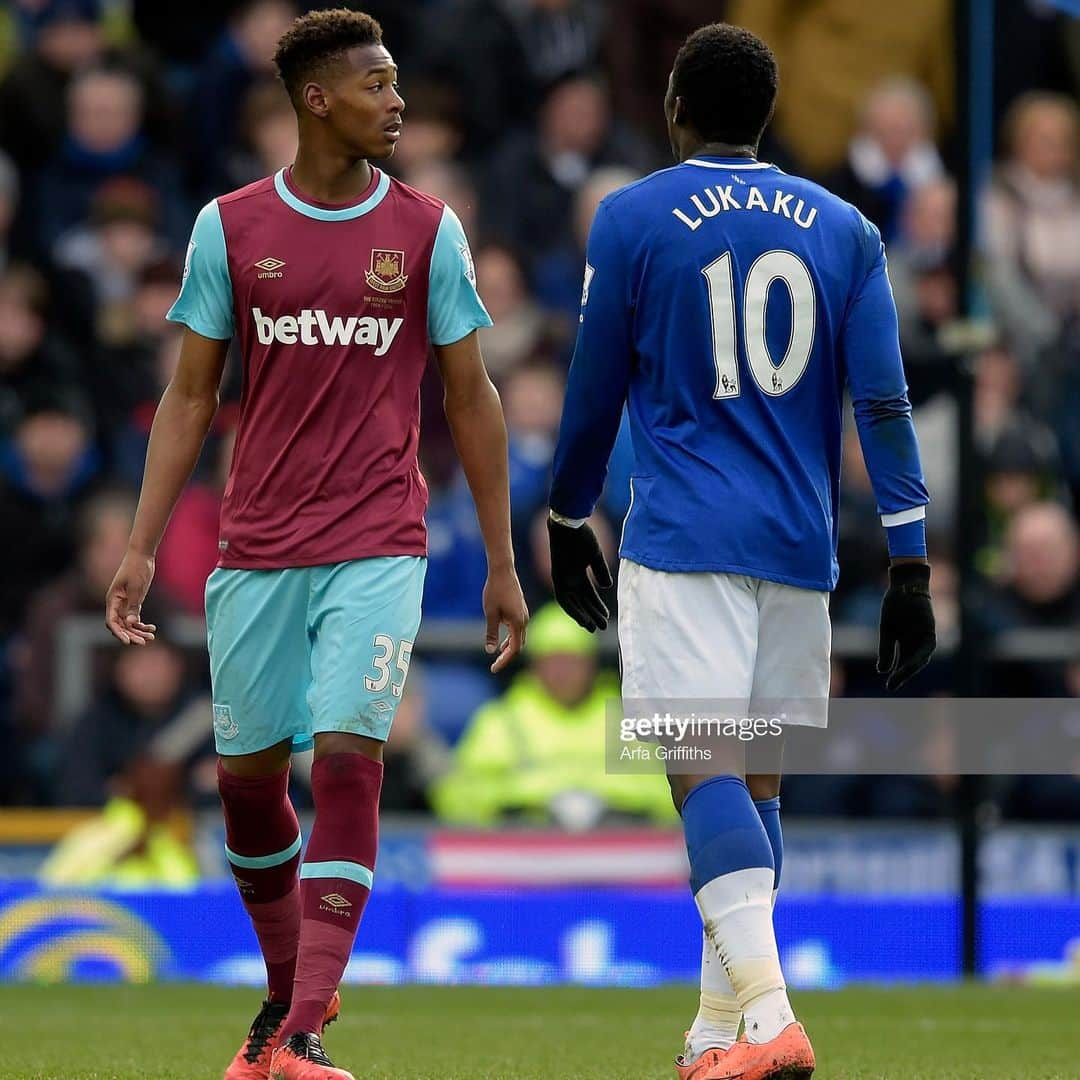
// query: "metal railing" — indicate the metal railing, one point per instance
point(80, 635)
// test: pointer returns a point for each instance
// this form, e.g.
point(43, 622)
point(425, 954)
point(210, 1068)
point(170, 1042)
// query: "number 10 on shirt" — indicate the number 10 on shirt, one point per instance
point(774, 266)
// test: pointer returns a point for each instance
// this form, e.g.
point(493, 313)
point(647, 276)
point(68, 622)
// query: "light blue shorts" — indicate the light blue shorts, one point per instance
point(307, 649)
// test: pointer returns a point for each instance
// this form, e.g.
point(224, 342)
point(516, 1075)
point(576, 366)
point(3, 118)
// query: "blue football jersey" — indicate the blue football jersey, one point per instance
point(728, 305)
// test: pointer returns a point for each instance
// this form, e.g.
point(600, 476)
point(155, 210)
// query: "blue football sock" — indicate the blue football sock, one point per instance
point(724, 832)
point(769, 811)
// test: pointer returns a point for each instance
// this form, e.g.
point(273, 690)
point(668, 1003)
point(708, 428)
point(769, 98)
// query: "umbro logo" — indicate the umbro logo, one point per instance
point(270, 267)
point(335, 903)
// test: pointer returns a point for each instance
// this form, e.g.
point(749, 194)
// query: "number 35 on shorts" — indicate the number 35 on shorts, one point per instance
point(389, 665)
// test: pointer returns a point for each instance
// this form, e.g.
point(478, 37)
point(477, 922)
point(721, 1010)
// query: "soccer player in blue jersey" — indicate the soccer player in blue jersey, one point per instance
point(729, 306)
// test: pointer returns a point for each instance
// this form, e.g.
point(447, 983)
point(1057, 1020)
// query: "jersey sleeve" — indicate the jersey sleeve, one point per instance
point(454, 306)
point(205, 303)
point(870, 347)
point(599, 373)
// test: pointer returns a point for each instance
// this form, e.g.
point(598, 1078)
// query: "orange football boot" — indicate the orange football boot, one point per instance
point(302, 1057)
point(787, 1057)
point(252, 1061)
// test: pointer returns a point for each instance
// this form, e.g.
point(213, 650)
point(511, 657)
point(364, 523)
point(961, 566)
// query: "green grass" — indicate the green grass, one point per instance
point(188, 1032)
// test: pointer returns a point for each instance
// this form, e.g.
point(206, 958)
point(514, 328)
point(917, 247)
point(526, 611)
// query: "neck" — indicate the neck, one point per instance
point(717, 149)
point(329, 175)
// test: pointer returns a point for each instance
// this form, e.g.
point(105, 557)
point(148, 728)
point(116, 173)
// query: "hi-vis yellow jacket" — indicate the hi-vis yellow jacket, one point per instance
point(525, 750)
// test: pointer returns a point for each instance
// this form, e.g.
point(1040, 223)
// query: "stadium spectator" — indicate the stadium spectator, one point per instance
point(1040, 585)
point(131, 753)
point(891, 155)
point(1020, 467)
point(532, 401)
point(1032, 266)
point(457, 564)
point(104, 140)
point(239, 58)
point(544, 168)
point(416, 755)
point(855, 43)
point(33, 359)
point(921, 269)
point(103, 525)
point(640, 45)
point(181, 33)
point(522, 330)
point(997, 393)
point(449, 181)
point(64, 37)
point(435, 132)
point(861, 552)
point(537, 753)
point(557, 277)
point(145, 691)
point(134, 843)
point(502, 55)
point(129, 369)
point(267, 140)
point(101, 260)
point(46, 467)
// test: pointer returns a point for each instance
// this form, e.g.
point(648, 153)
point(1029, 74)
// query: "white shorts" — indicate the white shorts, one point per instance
point(723, 637)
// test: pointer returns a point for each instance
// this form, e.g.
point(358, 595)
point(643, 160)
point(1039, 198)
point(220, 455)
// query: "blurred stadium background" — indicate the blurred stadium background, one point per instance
point(508, 855)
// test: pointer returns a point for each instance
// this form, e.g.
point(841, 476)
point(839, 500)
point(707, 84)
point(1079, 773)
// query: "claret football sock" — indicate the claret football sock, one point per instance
point(769, 812)
point(731, 874)
point(335, 880)
point(262, 843)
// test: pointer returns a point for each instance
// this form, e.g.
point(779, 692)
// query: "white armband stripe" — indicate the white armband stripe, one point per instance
point(903, 517)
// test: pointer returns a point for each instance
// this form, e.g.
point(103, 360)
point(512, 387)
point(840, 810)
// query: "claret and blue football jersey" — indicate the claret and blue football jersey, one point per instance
point(728, 306)
point(335, 310)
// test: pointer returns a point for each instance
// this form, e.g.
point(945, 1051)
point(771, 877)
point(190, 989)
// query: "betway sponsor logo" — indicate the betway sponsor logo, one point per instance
point(315, 327)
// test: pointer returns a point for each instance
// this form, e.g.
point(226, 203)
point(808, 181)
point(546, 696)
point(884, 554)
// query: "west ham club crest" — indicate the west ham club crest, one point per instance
point(386, 274)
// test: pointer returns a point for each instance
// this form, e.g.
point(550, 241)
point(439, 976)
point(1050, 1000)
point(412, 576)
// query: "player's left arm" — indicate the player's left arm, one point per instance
point(870, 346)
point(474, 413)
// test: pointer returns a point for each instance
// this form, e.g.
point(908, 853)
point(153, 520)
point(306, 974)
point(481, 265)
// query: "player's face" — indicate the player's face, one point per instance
point(363, 104)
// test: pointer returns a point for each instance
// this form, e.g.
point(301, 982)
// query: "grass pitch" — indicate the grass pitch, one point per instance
point(451, 1033)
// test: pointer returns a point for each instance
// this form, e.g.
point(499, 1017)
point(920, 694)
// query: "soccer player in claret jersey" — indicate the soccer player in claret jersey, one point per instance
point(730, 305)
point(336, 281)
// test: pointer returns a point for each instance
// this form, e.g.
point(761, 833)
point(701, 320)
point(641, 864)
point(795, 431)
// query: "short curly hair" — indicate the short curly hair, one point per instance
point(727, 78)
point(318, 40)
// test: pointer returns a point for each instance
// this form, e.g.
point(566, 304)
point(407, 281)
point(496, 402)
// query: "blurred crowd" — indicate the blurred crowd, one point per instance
point(120, 118)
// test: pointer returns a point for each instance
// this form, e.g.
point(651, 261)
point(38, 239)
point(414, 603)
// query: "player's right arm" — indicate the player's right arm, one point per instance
point(595, 395)
point(183, 418)
point(870, 346)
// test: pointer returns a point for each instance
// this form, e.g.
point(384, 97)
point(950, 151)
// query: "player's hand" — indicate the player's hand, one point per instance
point(124, 600)
point(574, 552)
point(504, 605)
point(908, 637)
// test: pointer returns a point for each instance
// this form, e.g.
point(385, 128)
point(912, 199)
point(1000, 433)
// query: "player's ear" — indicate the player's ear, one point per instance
point(315, 99)
point(678, 112)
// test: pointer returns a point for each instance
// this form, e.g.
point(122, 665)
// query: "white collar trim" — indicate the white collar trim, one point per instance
point(740, 165)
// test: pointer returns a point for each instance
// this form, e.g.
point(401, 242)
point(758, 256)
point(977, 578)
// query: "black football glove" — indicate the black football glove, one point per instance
point(907, 638)
point(574, 552)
